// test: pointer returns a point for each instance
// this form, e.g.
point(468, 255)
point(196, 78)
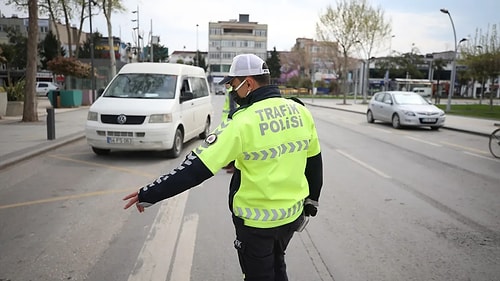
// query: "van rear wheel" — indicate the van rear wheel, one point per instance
point(177, 146)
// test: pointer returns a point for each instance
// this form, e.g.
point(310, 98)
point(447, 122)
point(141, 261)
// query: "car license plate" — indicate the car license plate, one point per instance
point(428, 120)
point(119, 140)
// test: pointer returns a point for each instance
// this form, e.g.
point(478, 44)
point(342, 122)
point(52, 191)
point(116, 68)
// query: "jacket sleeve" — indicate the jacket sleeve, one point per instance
point(190, 173)
point(314, 175)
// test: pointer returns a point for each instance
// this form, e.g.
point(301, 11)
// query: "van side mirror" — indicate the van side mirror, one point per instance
point(185, 96)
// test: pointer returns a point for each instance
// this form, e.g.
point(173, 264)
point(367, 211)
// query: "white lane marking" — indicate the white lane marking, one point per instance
point(156, 254)
point(364, 164)
point(480, 156)
point(381, 130)
point(423, 141)
point(466, 148)
point(181, 270)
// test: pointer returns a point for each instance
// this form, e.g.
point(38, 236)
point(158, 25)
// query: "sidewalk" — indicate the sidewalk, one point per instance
point(20, 140)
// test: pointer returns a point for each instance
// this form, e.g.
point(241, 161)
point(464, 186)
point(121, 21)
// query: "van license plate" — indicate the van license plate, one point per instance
point(119, 140)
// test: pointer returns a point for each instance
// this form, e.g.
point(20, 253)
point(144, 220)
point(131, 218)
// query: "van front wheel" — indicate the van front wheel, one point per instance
point(206, 130)
point(177, 146)
point(101, 151)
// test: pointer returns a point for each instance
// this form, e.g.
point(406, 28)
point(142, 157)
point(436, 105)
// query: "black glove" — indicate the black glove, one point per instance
point(310, 207)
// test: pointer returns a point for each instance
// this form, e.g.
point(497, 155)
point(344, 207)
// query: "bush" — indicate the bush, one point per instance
point(16, 92)
point(69, 67)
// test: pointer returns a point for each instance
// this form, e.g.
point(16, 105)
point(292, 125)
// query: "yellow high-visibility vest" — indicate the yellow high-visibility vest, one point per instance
point(270, 142)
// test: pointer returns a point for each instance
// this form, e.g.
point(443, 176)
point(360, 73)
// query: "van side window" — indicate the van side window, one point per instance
point(185, 86)
point(200, 88)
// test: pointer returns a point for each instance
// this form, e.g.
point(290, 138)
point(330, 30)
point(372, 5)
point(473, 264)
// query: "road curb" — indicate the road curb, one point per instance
point(359, 112)
point(18, 156)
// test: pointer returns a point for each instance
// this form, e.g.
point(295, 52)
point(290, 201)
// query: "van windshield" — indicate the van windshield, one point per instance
point(142, 85)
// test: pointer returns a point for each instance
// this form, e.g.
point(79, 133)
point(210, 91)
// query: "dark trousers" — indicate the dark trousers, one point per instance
point(261, 251)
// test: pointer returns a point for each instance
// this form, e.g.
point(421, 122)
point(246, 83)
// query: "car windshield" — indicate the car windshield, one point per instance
point(143, 85)
point(405, 99)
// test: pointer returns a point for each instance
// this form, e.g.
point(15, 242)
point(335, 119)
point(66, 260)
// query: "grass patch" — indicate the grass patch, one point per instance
point(473, 110)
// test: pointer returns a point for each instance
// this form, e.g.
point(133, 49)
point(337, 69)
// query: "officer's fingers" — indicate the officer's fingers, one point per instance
point(131, 202)
point(131, 195)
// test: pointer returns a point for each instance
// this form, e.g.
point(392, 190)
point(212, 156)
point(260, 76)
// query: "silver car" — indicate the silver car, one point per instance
point(404, 109)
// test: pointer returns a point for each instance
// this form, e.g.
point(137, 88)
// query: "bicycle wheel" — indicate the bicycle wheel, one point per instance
point(495, 143)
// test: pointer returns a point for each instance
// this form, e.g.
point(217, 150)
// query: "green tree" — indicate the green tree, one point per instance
point(18, 58)
point(8, 52)
point(84, 52)
point(482, 57)
point(199, 60)
point(350, 23)
point(274, 64)
point(50, 48)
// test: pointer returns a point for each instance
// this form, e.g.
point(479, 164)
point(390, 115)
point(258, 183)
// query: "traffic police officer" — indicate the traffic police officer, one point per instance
point(278, 175)
point(229, 103)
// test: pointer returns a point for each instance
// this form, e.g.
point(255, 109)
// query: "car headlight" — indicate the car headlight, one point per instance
point(441, 113)
point(160, 118)
point(92, 116)
point(408, 113)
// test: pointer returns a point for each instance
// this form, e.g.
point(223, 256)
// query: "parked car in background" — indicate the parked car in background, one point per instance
point(425, 92)
point(219, 89)
point(404, 109)
point(42, 88)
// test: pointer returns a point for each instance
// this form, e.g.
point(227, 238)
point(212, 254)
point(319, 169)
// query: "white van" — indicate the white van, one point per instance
point(425, 92)
point(151, 106)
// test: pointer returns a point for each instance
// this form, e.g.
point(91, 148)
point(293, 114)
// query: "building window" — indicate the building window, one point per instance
point(215, 31)
point(260, 45)
point(260, 32)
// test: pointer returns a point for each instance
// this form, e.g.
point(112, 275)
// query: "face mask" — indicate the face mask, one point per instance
point(234, 95)
point(237, 99)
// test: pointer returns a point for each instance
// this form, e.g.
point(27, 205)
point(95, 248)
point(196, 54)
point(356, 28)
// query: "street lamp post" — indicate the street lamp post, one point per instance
point(453, 63)
point(197, 52)
point(92, 76)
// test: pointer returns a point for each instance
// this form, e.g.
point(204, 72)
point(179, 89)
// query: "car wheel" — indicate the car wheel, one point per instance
point(101, 151)
point(435, 128)
point(206, 130)
point(177, 146)
point(396, 122)
point(369, 116)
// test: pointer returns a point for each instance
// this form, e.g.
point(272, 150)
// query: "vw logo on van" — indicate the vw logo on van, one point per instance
point(121, 119)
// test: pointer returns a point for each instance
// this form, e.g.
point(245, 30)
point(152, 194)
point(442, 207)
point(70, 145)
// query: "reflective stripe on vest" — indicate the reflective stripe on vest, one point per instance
point(274, 152)
point(268, 214)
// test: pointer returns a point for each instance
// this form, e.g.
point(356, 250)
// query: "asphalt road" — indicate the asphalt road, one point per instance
point(409, 204)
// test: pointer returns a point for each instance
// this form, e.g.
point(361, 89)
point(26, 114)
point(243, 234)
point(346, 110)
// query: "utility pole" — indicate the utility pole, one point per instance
point(138, 34)
point(151, 60)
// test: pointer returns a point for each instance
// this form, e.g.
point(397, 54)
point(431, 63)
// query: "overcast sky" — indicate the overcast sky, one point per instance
point(417, 22)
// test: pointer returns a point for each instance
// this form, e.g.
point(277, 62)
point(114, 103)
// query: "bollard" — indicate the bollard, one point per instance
point(51, 124)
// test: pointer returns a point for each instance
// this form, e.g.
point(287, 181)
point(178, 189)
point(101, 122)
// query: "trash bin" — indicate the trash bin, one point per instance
point(70, 98)
point(54, 98)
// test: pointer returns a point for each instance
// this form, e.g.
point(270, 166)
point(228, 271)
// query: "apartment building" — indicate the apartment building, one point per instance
point(21, 25)
point(227, 39)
